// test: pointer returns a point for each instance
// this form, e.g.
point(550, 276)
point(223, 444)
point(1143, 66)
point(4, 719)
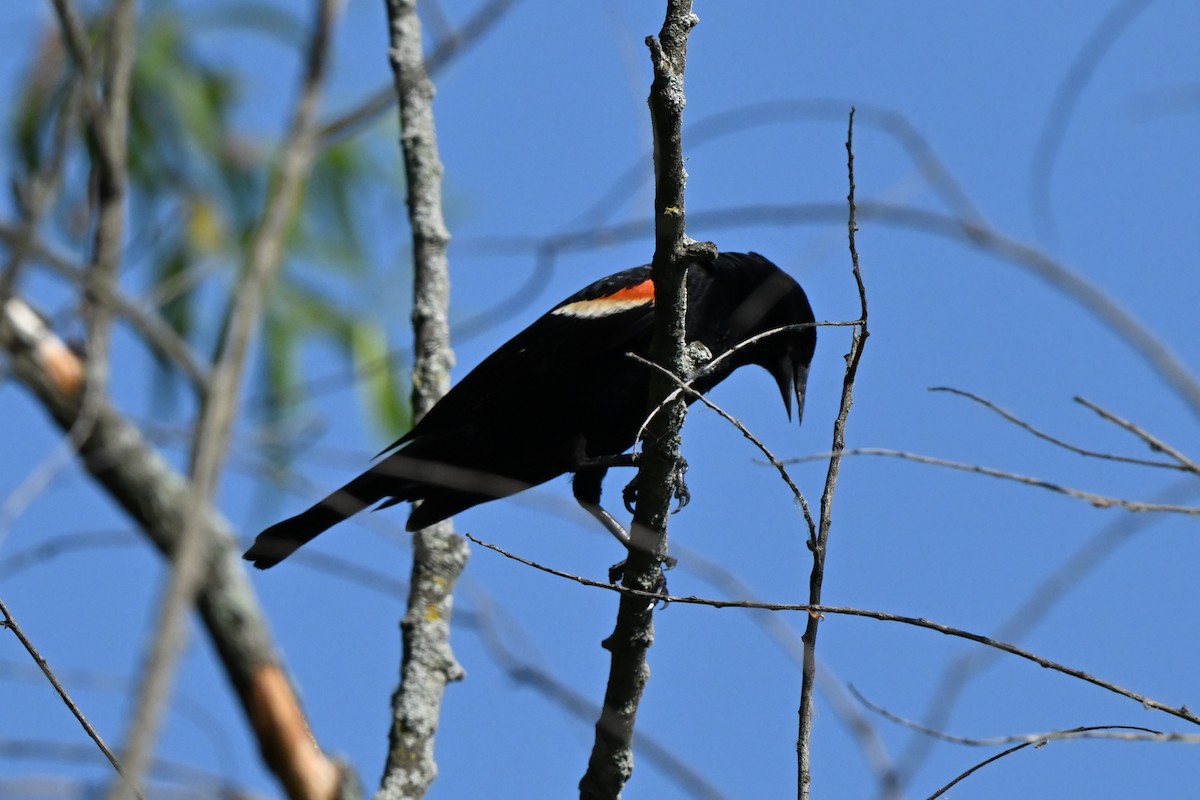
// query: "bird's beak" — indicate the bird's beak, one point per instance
point(791, 379)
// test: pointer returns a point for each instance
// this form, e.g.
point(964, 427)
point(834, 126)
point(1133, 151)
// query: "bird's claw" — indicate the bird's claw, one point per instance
point(617, 571)
point(679, 489)
point(682, 495)
point(629, 494)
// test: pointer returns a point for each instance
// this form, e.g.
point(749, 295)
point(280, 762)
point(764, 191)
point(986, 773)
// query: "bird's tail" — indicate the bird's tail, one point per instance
point(283, 538)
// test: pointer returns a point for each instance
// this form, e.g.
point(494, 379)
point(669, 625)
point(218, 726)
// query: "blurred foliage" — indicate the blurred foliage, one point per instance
point(196, 188)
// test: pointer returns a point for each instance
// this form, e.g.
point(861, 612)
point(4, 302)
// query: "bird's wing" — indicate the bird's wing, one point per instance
point(611, 316)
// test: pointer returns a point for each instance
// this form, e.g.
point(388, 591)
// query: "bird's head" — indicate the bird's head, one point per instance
point(768, 320)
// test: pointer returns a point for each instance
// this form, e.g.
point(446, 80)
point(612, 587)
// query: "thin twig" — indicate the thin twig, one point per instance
point(154, 331)
point(788, 640)
point(11, 624)
point(710, 365)
point(1182, 712)
point(735, 422)
point(975, 768)
point(817, 544)
point(1025, 616)
point(1097, 500)
point(1025, 426)
point(1089, 732)
point(1153, 442)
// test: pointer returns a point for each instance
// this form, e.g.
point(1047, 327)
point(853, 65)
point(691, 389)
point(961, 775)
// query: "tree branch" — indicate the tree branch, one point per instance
point(110, 132)
point(11, 624)
point(611, 761)
point(439, 555)
point(158, 500)
point(154, 331)
point(1182, 712)
point(1091, 498)
point(817, 544)
point(1025, 426)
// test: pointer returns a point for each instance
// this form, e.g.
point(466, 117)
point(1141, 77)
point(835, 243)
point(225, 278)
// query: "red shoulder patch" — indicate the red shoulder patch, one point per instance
point(624, 299)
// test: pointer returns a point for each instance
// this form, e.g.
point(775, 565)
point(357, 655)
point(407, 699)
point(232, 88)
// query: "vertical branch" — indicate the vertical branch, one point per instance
point(211, 433)
point(611, 761)
point(818, 545)
point(110, 132)
point(439, 555)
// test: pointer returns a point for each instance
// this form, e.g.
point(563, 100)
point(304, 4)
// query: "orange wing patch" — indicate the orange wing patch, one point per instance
point(625, 299)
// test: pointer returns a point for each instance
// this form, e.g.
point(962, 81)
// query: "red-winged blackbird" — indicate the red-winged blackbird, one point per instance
point(563, 395)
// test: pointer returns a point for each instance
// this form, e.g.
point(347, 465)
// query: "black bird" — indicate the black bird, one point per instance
point(564, 396)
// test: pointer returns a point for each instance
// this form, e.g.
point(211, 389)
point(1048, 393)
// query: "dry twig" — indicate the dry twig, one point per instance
point(1182, 712)
point(11, 624)
point(1097, 500)
point(611, 761)
point(1054, 440)
point(817, 544)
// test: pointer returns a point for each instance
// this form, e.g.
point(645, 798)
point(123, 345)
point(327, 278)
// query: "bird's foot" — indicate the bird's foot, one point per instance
point(617, 571)
point(680, 490)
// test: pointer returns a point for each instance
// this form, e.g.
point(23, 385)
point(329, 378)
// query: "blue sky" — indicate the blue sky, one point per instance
point(535, 125)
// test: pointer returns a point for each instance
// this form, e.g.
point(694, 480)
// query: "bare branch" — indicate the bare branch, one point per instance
point(817, 544)
point(1023, 425)
point(1152, 441)
point(788, 640)
point(1090, 732)
point(110, 132)
point(1182, 712)
point(159, 336)
point(1097, 500)
point(439, 555)
point(611, 761)
point(157, 498)
point(1026, 615)
point(685, 386)
point(11, 624)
